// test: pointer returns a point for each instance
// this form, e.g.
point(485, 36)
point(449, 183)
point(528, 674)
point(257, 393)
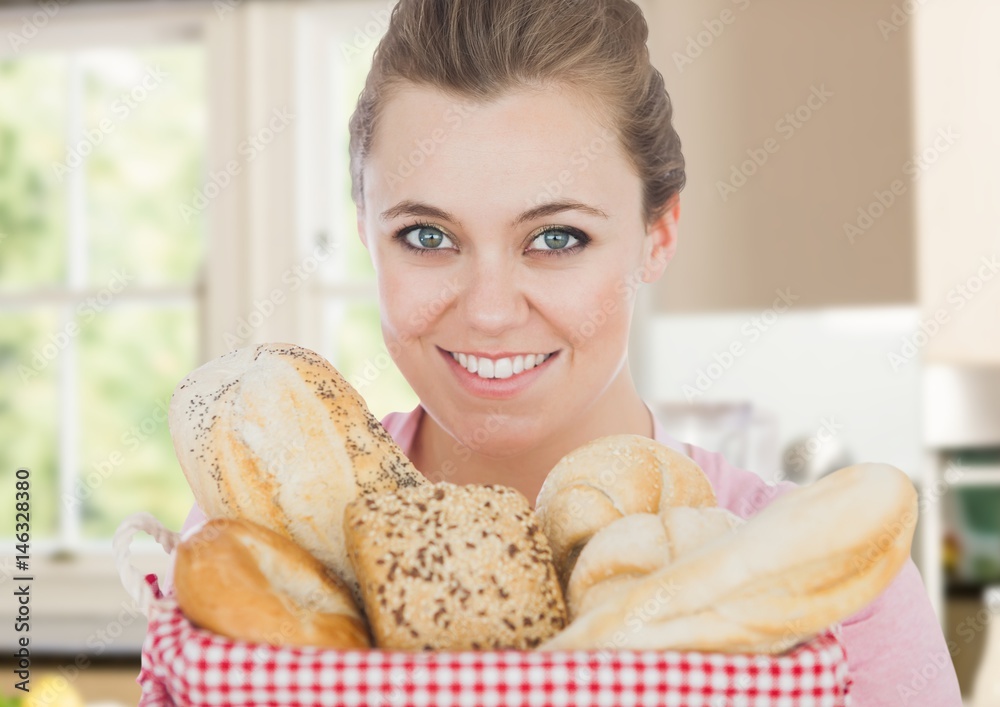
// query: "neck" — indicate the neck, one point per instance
point(437, 455)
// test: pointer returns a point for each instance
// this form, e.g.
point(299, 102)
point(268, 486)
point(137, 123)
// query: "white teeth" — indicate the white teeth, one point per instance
point(500, 368)
point(504, 368)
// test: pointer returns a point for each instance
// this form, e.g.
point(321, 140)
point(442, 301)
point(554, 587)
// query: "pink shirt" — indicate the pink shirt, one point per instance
point(895, 648)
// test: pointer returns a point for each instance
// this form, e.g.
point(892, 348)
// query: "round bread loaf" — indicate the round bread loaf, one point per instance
point(274, 434)
point(608, 478)
point(243, 581)
point(446, 567)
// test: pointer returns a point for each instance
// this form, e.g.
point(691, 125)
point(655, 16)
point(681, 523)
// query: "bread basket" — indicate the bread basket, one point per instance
point(184, 665)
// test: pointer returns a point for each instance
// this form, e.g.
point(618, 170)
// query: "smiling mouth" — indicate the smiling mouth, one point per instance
point(502, 367)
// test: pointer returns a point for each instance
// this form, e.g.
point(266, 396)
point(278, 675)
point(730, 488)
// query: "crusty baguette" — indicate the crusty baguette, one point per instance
point(813, 557)
point(608, 478)
point(245, 582)
point(274, 434)
point(447, 567)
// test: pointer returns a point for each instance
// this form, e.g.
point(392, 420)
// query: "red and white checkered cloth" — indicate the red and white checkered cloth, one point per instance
point(183, 665)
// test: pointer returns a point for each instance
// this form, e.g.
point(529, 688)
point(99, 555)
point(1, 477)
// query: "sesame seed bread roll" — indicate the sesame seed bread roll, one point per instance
point(274, 434)
point(447, 567)
point(243, 581)
point(608, 478)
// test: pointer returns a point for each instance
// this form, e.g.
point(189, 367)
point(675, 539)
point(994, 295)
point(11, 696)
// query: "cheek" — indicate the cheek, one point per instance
point(599, 316)
point(412, 299)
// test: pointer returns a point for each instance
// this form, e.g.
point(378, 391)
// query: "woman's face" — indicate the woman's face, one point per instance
point(510, 233)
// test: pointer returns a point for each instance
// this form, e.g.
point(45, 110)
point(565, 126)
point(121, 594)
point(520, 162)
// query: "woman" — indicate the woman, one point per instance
point(516, 177)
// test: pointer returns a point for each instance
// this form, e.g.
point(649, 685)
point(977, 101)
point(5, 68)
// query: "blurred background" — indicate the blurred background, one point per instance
point(174, 184)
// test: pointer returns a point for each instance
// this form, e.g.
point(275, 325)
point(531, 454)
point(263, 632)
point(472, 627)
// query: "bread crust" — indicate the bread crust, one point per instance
point(243, 581)
point(446, 567)
point(608, 478)
point(813, 557)
point(274, 434)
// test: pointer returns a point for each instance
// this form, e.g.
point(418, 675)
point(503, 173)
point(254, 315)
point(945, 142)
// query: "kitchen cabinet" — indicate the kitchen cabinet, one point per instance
point(795, 123)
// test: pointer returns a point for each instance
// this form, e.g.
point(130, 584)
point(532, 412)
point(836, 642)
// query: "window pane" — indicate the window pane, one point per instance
point(29, 416)
point(349, 72)
point(360, 355)
point(144, 115)
point(33, 97)
point(130, 360)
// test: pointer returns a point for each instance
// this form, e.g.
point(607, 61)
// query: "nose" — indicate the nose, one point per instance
point(493, 301)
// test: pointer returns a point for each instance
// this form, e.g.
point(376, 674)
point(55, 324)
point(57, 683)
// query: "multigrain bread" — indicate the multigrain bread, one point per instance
point(446, 567)
point(815, 556)
point(243, 581)
point(607, 479)
point(274, 434)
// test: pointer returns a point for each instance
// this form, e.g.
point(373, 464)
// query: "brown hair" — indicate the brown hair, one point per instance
point(482, 49)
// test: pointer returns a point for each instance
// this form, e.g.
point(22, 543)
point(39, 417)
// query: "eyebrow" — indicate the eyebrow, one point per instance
point(416, 208)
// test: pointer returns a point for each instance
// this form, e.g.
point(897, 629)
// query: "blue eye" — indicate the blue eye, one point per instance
point(423, 238)
point(558, 241)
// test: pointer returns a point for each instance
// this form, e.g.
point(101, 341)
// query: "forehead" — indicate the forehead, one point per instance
point(523, 147)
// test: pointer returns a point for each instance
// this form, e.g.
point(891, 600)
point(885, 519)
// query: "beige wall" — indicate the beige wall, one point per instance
point(958, 89)
point(784, 228)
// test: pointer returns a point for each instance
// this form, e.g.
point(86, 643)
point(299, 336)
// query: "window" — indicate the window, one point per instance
point(99, 272)
point(343, 37)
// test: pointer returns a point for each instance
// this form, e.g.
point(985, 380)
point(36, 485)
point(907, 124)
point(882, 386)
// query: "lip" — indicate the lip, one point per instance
point(496, 388)
point(498, 354)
